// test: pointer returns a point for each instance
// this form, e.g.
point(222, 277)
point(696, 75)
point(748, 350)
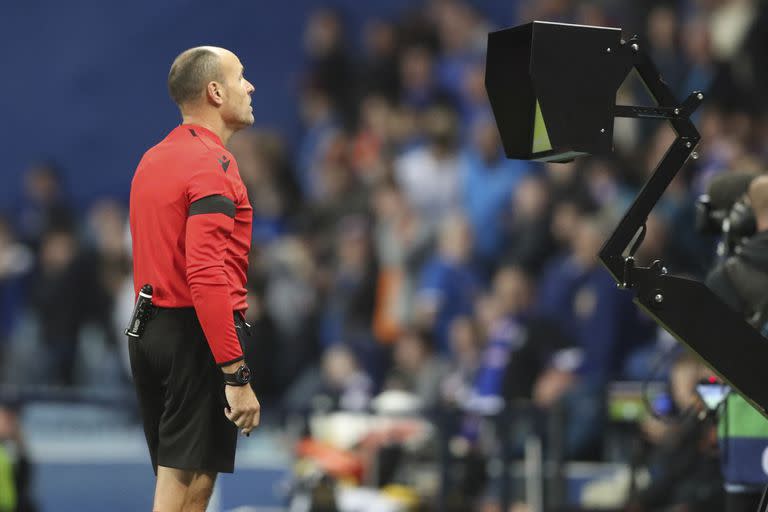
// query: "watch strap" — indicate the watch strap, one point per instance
point(241, 377)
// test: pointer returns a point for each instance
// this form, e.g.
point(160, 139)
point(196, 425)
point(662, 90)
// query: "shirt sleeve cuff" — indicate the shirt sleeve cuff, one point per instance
point(225, 363)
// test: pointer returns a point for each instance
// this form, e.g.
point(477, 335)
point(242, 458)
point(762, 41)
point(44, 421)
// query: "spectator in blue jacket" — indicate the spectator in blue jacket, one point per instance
point(602, 322)
point(448, 285)
point(488, 180)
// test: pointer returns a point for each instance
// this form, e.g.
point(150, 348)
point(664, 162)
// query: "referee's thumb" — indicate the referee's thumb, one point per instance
point(228, 413)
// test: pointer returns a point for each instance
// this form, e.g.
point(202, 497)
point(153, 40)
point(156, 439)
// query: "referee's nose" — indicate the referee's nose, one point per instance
point(249, 88)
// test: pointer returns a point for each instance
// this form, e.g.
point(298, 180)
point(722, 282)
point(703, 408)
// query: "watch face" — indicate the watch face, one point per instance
point(244, 374)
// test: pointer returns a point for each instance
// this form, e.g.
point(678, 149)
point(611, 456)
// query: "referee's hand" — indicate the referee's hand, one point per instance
point(244, 409)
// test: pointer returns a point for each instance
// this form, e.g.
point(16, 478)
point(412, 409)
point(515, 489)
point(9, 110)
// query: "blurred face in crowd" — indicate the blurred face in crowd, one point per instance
point(565, 217)
point(530, 198)
point(323, 33)
point(697, 42)
point(486, 139)
point(375, 113)
point(455, 239)
point(57, 251)
point(473, 84)
point(380, 38)
point(41, 184)
point(388, 203)
point(463, 339)
point(561, 173)
point(9, 425)
point(338, 366)
point(601, 180)
point(291, 256)
point(662, 27)
point(336, 175)
point(107, 221)
point(402, 124)
point(416, 68)
point(410, 352)
point(591, 14)
point(512, 289)
point(315, 106)
point(441, 127)
point(455, 23)
point(244, 146)
point(487, 311)
point(587, 242)
point(352, 246)
point(545, 9)
point(711, 126)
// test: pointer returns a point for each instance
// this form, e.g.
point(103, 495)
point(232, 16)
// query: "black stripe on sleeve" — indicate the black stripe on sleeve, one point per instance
point(213, 204)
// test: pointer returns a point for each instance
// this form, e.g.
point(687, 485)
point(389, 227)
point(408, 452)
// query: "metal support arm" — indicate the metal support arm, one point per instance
point(686, 308)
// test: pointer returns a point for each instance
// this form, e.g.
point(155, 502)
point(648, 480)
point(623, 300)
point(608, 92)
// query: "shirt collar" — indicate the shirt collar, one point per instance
point(201, 131)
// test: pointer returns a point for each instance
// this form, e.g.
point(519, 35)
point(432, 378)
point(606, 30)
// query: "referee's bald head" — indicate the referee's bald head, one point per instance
point(191, 72)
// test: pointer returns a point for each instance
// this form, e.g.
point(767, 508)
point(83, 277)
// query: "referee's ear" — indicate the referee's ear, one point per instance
point(214, 92)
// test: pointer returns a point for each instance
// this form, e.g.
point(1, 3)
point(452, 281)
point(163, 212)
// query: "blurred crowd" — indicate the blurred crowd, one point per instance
point(396, 248)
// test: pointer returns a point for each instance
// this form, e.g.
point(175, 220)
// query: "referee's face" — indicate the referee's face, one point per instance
point(236, 110)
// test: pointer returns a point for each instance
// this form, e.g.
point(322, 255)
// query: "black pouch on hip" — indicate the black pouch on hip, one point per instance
point(142, 312)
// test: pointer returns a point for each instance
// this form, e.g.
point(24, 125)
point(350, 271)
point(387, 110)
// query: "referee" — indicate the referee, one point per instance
point(191, 226)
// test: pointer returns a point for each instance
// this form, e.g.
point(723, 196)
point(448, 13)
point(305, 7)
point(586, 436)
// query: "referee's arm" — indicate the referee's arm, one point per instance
point(209, 226)
point(211, 219)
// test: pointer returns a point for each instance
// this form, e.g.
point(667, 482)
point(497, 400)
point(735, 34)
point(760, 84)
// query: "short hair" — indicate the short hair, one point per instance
point(190, 73)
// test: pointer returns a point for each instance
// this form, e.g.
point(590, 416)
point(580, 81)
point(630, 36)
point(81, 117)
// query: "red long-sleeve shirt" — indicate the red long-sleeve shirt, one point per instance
point(191, 229)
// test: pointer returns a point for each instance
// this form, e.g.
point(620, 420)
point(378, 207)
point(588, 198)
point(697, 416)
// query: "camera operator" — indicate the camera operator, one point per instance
point(741, 281)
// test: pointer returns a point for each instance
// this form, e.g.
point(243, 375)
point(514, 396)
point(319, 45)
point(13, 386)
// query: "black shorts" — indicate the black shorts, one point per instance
point(181, 394)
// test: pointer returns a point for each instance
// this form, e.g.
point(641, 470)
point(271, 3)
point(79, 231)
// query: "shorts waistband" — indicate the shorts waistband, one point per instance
point(238, 315)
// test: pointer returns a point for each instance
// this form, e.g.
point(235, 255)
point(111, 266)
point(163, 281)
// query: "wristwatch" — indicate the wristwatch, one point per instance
point(241, 377)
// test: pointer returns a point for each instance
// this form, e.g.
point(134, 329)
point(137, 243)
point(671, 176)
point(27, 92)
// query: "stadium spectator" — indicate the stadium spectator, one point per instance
point(59, 315)
point(417, 370)
point(449, 284)
point(429, 175)
point(44, 206)
point(488, 180)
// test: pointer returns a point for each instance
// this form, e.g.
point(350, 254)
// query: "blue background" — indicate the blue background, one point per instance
point(83, 83)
